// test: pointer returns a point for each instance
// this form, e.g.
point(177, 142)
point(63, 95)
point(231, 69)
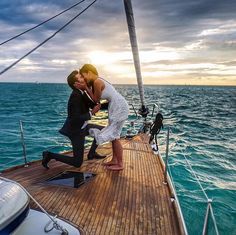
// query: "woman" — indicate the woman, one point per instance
point(118, 111)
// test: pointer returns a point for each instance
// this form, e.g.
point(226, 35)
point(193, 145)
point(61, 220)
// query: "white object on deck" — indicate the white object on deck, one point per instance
point(17, 219)
point(13, 202)
point(35, 223)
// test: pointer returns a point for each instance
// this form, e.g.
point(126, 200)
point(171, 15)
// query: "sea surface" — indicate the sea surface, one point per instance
point(202, 122)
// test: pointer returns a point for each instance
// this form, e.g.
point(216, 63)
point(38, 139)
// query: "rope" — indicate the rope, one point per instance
point(192, 171)
point(175, 143)
point(17, 61)
point(28, 30)
point(173, 146)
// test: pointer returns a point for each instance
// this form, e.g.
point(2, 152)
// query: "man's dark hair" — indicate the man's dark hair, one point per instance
point(71, 79)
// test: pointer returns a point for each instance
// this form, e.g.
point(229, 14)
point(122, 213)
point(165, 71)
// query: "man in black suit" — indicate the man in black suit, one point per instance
point(75, 126)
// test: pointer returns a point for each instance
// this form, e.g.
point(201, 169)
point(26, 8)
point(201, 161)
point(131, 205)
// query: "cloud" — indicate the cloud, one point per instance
point(177, 40)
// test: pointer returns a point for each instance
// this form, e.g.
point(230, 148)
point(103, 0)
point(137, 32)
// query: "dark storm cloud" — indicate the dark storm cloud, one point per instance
point(174, 19)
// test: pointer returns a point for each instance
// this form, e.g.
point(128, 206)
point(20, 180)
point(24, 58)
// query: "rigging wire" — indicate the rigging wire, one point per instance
point(53, 35)
point(202, 189)
point(36, 26)
point(204, 192)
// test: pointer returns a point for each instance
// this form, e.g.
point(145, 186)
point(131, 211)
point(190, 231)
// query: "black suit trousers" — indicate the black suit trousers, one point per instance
point(77, 141)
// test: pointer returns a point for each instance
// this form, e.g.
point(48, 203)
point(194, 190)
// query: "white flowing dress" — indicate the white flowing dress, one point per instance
point(118, 111)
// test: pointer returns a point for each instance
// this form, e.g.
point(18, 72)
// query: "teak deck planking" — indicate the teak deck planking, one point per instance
point(131, 201)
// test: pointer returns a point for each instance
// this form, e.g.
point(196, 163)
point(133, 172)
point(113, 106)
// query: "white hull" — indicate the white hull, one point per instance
point(35, 222)
point(17, 219)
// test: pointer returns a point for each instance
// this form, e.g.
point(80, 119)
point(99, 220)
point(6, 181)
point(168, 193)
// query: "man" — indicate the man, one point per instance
point(75, 126)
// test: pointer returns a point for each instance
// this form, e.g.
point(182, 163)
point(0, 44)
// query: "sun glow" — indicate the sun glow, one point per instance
point(101, 57)
point(160, 66)
point(104, 57)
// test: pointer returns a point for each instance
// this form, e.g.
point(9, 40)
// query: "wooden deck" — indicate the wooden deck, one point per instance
point(132, 201)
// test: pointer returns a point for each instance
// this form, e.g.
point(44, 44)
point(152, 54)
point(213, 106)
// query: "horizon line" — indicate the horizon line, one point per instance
point(130, 84)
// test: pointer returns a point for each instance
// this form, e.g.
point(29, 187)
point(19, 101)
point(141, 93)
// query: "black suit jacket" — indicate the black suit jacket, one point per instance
point(77, 113)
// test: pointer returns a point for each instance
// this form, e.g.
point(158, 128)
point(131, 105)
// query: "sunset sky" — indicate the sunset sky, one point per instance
point(190, 42)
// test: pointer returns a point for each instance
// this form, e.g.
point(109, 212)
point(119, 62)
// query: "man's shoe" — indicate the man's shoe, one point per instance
point(96, 156)
point(46, 159)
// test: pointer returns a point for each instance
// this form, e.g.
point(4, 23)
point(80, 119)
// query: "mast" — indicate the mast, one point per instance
point(134, 45)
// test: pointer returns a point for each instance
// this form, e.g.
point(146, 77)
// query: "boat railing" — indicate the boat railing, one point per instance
point(24, 159)
point(167, 175)
point(24, 138)
point(23, 142)
point(169, 178)
point(16, 160)
point(153, 106)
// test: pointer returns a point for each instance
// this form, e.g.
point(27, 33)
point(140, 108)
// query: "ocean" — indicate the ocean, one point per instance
point(202, 122)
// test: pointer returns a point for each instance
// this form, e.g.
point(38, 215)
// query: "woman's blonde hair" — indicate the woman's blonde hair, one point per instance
point(88, 67)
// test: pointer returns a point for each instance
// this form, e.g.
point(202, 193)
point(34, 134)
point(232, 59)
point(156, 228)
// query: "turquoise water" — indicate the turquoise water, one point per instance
point(203, 129)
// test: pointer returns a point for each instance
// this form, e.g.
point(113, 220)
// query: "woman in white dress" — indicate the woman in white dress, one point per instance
point(118, 111)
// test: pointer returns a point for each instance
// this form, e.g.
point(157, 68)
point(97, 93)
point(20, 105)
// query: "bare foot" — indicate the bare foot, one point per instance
point(110, 163)
point(115, 167)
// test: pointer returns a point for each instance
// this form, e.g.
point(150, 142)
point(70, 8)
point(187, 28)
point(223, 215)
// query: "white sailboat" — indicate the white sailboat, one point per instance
point(148, 207)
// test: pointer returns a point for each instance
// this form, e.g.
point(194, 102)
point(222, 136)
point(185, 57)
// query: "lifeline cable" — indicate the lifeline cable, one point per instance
point(36, 26)
point(35, 48)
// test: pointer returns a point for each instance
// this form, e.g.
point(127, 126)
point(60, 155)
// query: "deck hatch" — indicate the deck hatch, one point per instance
point(71, 178)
